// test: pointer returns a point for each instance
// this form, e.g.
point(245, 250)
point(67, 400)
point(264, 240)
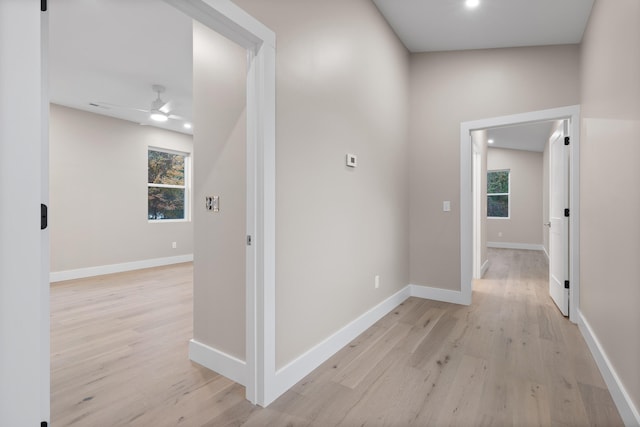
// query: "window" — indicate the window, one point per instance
point(498, 194)
point(168, 189)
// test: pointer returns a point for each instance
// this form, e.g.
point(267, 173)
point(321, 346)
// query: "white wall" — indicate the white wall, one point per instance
point(609, 196)
point(219, 78)
point(98, 190)
point(524, 225)
point(448, 88)
point(342, 87)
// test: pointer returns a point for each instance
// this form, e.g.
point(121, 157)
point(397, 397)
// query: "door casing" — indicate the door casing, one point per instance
point(558, 233)
point(24, 248)
point(570, 113)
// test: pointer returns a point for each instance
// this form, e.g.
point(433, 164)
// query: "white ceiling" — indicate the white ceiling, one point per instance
point(437, 25)
point(528, 137)
point(112, 51)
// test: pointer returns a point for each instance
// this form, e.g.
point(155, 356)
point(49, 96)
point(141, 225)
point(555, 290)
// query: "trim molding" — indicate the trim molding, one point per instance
point(629, 413)
point(218, 361)
point(484, 268)
point(231, 21)
point(545, 252)
point(507, 245)
point(572, 113)
point(439, 294)
point(287, 376)
point(81, 273)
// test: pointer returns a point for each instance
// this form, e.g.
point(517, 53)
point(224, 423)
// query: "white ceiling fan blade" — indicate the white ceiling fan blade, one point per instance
point(108, 105)
point(173, 116)
point(166, 108)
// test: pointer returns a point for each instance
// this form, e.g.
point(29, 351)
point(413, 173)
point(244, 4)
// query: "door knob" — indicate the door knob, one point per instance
point(547, 224)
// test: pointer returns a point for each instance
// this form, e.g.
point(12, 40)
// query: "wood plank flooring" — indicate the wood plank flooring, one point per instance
point(119, 357)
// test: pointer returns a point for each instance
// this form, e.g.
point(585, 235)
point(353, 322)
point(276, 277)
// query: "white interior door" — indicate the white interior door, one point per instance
point(24, 251)
point(559, 232)
point(477, 210)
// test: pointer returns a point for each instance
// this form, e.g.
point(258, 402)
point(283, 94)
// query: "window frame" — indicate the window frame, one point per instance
point(186, 187)
point(508, 194)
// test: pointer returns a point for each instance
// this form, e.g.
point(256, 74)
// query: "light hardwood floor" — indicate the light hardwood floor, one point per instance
point(119, 357)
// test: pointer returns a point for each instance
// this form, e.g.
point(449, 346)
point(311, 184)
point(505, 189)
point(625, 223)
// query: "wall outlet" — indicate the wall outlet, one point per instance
point(376, 282)
point(352, 160)
point(174, 245)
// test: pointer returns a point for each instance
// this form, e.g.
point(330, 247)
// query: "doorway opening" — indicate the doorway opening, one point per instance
point(475, 136)
point(259, 258)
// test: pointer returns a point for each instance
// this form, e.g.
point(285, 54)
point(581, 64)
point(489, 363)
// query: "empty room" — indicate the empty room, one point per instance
point(311, 253)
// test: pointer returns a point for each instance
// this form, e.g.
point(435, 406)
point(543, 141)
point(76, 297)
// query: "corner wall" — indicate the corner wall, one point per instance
point(98, 187)
point(342, 87)
point(609, 197)
point(448, 88)
point(219, 104)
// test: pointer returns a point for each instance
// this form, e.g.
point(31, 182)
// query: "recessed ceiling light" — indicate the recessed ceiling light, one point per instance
point(471, 4)
point(490, 141)
point(187, 125)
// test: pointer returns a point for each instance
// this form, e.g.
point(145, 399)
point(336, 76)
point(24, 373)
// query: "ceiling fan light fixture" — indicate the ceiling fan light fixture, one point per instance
point(158, 116)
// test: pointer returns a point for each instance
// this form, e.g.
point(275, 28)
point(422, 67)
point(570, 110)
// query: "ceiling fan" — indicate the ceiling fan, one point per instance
point(159, 111)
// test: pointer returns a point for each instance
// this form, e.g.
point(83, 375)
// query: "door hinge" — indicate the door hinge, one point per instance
point(43, 216)
point(566, 284)
point(567, 140)
point(566, 212)
point(249, 240)
point(43, 5)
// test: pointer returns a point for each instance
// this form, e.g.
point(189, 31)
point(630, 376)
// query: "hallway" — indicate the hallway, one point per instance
point(508, 359)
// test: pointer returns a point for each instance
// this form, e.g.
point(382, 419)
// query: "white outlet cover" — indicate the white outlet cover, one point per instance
point(352, 160)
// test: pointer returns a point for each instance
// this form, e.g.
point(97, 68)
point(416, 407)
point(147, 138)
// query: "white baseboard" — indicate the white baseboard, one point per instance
point(629, 413)
point(484, 268)
point(293, 372)
point(438, 294)
point(218, 361)
point(508, 245)
point(81, 273)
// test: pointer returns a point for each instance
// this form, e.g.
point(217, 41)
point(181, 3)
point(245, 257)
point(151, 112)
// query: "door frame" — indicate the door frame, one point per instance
point(24, 246)
point(570, 113)
point(558, 222)
point(229, 20)
point(24, 145)
point(476, 170)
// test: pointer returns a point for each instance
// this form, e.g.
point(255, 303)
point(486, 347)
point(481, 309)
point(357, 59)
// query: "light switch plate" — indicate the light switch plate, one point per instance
point(352, 160)
point(446, 206)
point(212, 203)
